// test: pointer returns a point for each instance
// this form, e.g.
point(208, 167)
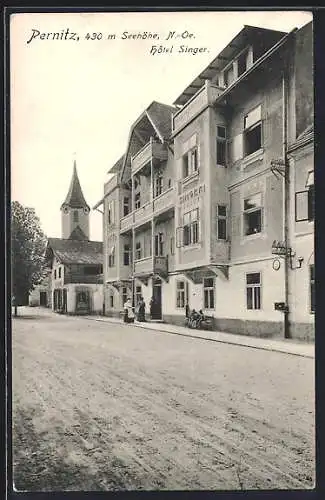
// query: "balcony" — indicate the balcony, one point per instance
point(164, 201)
point(150, 151)
point(205, 96)
point(146, 267)
point(143, 214)
point(126, 222)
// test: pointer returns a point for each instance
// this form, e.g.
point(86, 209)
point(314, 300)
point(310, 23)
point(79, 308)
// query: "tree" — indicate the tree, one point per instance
point(28, 244)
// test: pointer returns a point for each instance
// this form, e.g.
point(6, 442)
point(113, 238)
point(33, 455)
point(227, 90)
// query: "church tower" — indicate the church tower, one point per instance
point(75, 211)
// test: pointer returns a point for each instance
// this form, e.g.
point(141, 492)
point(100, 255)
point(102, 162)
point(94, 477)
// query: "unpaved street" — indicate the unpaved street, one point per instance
point(99, 406)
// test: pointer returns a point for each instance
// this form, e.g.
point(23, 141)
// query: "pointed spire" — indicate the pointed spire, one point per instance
point(75, 197)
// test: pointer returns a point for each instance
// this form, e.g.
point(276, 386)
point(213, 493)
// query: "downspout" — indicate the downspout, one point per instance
point(286, 187)
point(133, 240)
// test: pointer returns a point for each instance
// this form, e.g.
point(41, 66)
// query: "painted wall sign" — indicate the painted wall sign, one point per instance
point(191, 194)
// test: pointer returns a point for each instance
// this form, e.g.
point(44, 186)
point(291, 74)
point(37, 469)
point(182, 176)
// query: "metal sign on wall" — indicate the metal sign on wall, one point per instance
point(192, 195)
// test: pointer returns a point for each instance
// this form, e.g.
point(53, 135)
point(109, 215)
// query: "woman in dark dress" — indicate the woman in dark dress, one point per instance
point(141, 310)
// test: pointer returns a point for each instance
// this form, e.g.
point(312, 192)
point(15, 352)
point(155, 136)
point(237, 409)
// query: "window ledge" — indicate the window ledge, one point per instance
point(195, 246)
point(256, 156)
point(254, 236)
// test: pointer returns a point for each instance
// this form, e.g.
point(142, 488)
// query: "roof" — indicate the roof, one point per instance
point(303, 139)
point(154, 121)
point(226, 56)
point(76, 251)
point(75, 197)
point(117, 166)
point(78, 234)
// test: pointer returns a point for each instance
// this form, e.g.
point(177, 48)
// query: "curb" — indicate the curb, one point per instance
point(263, 348)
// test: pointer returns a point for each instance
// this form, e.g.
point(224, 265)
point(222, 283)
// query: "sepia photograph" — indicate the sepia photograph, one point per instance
point(162, 251)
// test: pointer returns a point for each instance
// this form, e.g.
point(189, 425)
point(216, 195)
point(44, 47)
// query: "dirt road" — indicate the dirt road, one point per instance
point(98, 406)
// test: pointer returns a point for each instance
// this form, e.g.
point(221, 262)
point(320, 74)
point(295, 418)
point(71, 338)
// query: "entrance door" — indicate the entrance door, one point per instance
point(157, 310)
point(65, 302)
point(42, 299)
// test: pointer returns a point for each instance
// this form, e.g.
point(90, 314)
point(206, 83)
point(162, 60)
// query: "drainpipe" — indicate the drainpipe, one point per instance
point(286, 187)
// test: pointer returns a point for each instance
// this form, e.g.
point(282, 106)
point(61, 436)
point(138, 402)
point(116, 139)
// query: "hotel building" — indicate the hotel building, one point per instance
point(212, 201)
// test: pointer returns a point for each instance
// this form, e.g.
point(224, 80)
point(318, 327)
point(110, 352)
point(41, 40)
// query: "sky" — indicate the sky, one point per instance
point(76, 97)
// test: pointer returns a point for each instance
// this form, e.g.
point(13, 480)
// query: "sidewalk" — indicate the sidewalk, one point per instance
point(286, 346)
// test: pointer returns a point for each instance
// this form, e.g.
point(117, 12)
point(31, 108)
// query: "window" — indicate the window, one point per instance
point(253, 214)
point(252, 131)
point(124, 295)
point(242, 62)
point(126, 255)
point(55, 274)
point(137, 201)
point(181, 294)
point(190, 162)
point(305, 200)
point(111, 212)
point(126, 205)
point(59, 272)
point(208, 293)
point(172, 245)
point(221, 222)
point(253, 291)
point(158, 184)
point(159, 244)
point(312, 287)
point(111, 258)
point(138, 252)
point(138, 294)
point(221, 145)
point(75, 216)
point(91, 270)
point(111, 300)
point(189, 233)
point(311, 203)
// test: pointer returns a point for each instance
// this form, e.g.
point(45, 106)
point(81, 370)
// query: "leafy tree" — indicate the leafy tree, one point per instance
point(28, 244)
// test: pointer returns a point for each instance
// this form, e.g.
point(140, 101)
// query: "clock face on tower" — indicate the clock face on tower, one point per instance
point(86, 210)
point(65, 210)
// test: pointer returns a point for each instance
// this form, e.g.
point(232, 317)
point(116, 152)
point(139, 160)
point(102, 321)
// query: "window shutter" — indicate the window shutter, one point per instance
point(301, 203)
point(237, 147)
point(179, 237)
point(253, 117)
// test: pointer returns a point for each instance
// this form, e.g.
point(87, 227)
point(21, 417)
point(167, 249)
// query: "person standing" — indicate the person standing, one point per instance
point(128, 312)
point(141, 310)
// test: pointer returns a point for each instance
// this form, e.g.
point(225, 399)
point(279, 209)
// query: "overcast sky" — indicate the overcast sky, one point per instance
point(81, 96)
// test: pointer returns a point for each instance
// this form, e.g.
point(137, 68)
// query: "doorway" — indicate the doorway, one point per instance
point(157, 296)
point(43, 299)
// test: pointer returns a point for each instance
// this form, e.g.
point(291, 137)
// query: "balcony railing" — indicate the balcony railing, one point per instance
point(126, 222)
point(148, 266)
point(151, 150)
point(206, 95)
point(164, 201)
point(143, 214)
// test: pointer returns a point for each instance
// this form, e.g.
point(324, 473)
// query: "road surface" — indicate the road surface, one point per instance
point(99, 406)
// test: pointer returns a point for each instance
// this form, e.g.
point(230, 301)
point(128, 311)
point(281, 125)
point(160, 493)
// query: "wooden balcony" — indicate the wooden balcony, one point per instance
point(205, 96)
point(148, 266)
point(126, 222)
point(143, 214)
point(150, 151)
point(165, 201)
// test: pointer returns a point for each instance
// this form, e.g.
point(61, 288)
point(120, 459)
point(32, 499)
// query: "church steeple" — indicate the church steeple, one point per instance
point(75, 197)
point(75, 211)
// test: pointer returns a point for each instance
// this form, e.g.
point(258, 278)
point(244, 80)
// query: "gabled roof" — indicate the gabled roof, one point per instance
point(155, 120)
point(78, 234)
point(75, 251)
point(238, 43)
point(117, 166)
point(75, 197)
